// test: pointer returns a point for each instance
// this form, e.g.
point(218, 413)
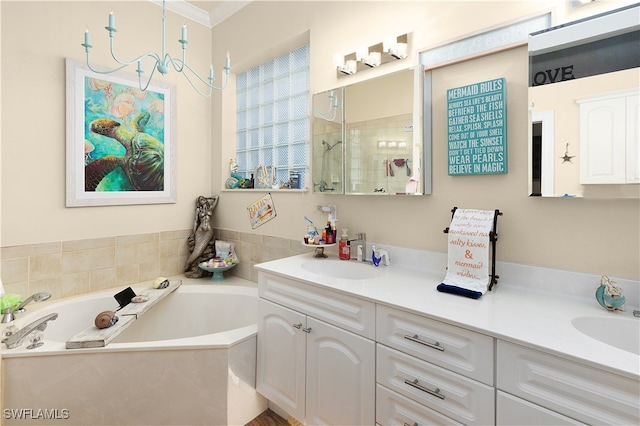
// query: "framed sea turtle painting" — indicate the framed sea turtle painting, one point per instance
point(120, 139)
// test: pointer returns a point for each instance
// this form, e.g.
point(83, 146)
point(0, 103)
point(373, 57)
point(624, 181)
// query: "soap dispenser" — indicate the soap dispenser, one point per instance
point(344, 249)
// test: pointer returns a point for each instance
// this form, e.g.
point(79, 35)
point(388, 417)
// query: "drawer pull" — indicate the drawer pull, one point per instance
point(415, 384)
point(307, 330)
point(297, 326)
point(415, 338)
point(407, 424)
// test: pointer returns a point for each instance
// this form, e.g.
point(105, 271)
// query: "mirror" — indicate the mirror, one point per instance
point(584, 112)
point(327, 142)
point(367, 137)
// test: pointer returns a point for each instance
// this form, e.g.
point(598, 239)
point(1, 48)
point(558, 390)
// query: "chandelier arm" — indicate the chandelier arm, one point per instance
point(211, 78)
point(140, 72)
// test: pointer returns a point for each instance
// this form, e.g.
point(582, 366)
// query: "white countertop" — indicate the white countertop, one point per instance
point(520, 314)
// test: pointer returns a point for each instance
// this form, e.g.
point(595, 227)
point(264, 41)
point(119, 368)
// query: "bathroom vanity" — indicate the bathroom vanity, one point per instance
point(384, 346)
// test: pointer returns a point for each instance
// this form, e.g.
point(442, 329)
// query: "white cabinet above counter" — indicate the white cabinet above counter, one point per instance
point(434, 347)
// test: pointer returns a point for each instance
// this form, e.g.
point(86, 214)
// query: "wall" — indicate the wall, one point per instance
point(572, 234)
point(36, 37)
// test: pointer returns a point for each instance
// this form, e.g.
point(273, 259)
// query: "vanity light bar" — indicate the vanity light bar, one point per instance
point(389, 50)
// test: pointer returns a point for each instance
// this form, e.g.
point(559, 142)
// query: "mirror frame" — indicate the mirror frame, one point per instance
point(421, 135)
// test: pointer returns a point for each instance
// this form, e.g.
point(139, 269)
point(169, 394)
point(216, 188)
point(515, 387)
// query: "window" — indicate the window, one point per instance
point(273, 117)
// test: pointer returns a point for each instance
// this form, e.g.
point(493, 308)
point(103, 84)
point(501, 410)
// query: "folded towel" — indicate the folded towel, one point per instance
point(468, 258)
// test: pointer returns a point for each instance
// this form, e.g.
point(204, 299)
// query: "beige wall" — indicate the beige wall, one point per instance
point(582, 235)
point(36, 39)
point(558, 233)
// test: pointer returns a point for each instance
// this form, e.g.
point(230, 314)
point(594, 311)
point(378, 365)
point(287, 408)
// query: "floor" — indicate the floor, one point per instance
point(268, 418)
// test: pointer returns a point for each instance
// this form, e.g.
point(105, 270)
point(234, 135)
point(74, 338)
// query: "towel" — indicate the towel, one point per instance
point(468, 259)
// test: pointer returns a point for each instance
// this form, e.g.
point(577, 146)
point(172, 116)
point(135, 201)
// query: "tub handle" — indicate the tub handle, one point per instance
point(298, 326)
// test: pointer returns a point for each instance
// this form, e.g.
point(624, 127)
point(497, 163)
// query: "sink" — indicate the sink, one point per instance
point(623, 333)
point(349, 270)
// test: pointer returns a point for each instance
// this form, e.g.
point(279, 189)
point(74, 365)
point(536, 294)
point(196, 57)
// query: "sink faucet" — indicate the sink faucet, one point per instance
point(9, 313)
point(16, 338)
point(359, 244)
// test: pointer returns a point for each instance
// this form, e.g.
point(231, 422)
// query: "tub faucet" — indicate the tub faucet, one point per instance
point(9, 314)
point(359, 244)
point(16, 338)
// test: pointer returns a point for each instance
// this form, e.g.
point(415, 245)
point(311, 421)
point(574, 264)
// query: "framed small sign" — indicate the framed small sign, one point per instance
point(261, 211)
point(477, 128)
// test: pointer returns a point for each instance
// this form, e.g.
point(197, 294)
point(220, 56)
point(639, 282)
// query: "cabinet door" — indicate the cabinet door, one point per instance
point(280, 372)
point(633, 139)
point(340, 376)
point(603, 141)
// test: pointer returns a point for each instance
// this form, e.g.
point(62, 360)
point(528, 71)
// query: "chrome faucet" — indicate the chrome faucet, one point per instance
point(9, 314)
point(359, 245)
point(16, 338)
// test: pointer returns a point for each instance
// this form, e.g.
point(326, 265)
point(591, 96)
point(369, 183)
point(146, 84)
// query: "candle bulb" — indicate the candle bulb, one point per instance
point(228, 63)
point(211, 73)
point(86, 36)
point(112, 20)
point(184, 32)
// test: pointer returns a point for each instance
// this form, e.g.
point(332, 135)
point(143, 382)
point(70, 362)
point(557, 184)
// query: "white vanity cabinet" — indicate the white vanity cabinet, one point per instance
point(443, 368)
point(316, 356)
point(531, 382)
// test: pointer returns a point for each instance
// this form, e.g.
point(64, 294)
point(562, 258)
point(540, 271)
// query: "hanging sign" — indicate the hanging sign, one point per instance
point(477, 128)
point(261, 211)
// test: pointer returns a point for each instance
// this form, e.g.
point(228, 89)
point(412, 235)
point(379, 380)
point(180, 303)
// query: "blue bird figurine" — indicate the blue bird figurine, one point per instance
point(609, 295)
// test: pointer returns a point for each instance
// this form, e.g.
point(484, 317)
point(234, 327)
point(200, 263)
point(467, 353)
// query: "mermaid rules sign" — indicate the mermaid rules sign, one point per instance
point(477, 128)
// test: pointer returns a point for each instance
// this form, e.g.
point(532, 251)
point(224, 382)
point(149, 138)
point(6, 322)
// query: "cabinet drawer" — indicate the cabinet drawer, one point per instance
point(578, 391)
point(458, 397)
point(451, 347)
point(514, 411)
point(394, 409)
point(349, 313)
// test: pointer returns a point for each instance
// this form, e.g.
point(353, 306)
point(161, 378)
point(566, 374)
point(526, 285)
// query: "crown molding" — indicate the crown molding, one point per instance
point(207, 18)
point(181, 7)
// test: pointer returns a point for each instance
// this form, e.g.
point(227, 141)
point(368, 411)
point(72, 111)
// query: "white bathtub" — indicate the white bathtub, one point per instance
point(189, 360)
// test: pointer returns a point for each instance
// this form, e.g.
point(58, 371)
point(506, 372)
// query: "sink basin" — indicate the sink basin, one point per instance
point(349, 270)
point(623, 333)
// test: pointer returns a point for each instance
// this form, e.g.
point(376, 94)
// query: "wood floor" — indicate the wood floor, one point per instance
point(268, 418)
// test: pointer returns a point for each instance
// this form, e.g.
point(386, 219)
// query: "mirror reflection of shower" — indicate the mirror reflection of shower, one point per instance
point(323, 186)
point(330, 113)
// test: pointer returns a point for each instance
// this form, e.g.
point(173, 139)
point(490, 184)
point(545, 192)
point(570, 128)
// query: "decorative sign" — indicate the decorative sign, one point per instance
point(261, 211)
point(477, 128)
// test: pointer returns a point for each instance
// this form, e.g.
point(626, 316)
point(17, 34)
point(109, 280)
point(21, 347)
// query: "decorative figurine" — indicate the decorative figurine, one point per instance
point(609, 295)
point(201, 242)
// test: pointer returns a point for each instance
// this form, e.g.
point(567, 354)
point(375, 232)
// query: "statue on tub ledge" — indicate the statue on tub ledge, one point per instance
point(201, 242)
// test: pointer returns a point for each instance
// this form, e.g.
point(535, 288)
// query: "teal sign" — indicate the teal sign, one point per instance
point(477, 128)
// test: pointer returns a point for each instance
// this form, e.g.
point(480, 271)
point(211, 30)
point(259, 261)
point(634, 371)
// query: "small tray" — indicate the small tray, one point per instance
point(319, 248)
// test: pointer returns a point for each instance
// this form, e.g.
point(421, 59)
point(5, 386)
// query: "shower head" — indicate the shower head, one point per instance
point(36, 297)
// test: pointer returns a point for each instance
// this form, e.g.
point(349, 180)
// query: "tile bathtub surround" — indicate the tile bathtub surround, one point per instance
point(70, 268)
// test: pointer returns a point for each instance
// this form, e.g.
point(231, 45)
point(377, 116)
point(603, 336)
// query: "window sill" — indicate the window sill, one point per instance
point(264, 190)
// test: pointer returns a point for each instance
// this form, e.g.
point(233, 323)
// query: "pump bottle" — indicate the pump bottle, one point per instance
point(344, 249)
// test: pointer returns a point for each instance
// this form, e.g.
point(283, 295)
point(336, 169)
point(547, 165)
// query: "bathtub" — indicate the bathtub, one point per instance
point(189, 360)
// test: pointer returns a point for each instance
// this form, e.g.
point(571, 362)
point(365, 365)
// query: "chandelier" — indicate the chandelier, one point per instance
point(163, 62)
